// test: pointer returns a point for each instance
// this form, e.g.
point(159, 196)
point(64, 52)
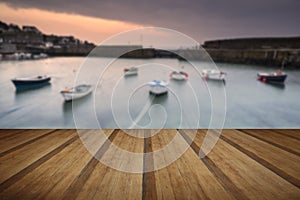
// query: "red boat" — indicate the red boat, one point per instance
point(275, 77)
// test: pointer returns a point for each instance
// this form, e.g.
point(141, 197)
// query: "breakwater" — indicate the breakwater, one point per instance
point(260, 51)
point(264, 51)
point(267, 57)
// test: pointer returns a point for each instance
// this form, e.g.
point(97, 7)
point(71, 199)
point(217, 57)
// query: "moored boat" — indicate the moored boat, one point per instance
point(275, 77)
point(213, 74)
point(76, 92)
point(30, 82)
point(39, 56)
point(158, 87)
point(130, 71)
point(180, 76)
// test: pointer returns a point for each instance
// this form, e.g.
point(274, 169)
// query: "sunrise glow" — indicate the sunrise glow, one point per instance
point(82, 27)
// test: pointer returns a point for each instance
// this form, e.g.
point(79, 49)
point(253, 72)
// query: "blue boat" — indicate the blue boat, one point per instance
point(31, 82)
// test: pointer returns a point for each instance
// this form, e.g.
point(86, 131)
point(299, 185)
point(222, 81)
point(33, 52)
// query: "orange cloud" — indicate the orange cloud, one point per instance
point(85, 28)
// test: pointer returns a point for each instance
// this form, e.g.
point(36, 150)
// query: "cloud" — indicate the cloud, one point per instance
point(196, 18)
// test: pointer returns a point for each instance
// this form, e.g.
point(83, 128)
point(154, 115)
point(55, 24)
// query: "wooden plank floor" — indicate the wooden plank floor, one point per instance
point(244, 164)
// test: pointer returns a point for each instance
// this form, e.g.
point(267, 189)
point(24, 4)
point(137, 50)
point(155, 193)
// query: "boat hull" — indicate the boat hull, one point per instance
point(158, 91)
point(213, 75)
point(71, 96)
point(26, 84)
point(216, 77)
point(178, 77)
point(272, 78)
point(130, 73)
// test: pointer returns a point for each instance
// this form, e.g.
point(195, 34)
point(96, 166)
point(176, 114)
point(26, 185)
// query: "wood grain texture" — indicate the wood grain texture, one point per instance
point(289, 144)
point(54, 164)
point(13, 143)
point(187, 177)
point(281, 162)
point(245, 171)
point(108, 183)
point(149, 185)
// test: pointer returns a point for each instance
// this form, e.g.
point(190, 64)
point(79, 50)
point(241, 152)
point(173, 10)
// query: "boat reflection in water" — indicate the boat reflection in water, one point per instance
point(33, 88)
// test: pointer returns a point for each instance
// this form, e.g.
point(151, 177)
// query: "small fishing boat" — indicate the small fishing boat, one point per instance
point(130, 71)
point(158, 87)
point(30, 82)
point(39, 56)
point(76, 92)
point(275, 77)
point(213, 74)
point(180, 76)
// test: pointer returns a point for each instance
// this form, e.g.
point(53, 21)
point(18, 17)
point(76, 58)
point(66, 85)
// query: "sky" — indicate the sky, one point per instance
point(97, 20)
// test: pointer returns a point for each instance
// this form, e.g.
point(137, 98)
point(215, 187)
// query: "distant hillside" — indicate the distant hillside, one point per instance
point(30, 39)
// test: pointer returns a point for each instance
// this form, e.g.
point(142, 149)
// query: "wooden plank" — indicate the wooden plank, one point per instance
point(241, 166)
point(224, 180)
point(128, 185)
point(76, 186)
point(149, 186)
point(293, 133)
point(18, 176)
point(187, 177)
point(14, 162)
point(106, 182)
point(17, 141)
point(163, 182)
point(4, 133)
point(279, 140)
point(281, 162)
point(51, 178)
point(251, 177)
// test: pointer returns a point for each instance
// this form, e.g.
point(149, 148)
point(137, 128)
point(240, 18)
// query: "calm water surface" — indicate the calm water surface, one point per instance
point(124, 102)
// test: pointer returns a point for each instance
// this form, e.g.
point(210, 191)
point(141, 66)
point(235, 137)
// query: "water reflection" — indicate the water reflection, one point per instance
point(247, 105)
point(77, 105)
point(276, 85)
point(68, 105)
point(158, 99)
point(32, 88)
point(27, 95)
point(216, 82)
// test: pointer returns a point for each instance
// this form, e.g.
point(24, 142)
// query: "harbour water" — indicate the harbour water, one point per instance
point(124, 102)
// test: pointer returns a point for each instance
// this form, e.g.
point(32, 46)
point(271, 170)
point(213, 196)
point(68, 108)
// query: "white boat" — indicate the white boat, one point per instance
point(76, 92)
point(213, 74)
point(180, 76)
point(130, 71)
point(39, 56)
point(158, 87)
